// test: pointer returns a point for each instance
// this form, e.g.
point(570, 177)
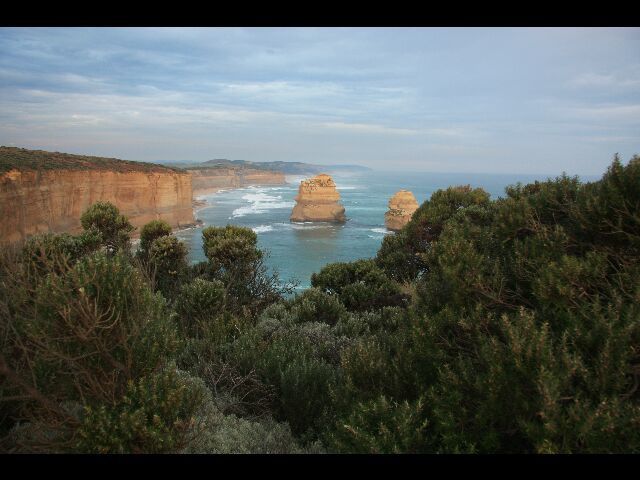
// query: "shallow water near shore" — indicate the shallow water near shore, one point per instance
point(296, 250)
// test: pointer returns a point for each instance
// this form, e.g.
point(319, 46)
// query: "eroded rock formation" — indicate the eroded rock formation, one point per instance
point(401, 208)
point(317, 201)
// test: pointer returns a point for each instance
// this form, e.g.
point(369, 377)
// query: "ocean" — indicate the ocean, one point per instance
point(296, 250)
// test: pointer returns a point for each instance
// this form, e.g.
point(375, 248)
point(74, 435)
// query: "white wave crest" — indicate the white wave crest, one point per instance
point(260, 202)
point(262, 228)
point(381, 230)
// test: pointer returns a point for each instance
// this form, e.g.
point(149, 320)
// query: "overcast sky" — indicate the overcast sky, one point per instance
point(512, 100)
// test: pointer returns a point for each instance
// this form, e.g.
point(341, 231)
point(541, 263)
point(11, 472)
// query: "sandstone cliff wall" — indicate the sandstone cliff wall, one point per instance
point(34, 202)
point(209, 180)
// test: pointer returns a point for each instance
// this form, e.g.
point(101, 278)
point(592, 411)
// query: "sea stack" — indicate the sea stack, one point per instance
point(401, 207)
point(317, 201)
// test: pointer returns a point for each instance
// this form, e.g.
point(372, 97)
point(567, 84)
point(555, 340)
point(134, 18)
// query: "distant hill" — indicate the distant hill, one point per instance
point(14, 158)
point(290, 168)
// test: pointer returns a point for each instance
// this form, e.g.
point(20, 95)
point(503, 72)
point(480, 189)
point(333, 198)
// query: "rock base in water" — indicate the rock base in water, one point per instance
point(317, 201)
point(401, 208)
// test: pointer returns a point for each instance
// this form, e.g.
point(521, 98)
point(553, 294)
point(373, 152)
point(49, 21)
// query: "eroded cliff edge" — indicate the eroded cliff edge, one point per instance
point(48, 191)
point(211, 180)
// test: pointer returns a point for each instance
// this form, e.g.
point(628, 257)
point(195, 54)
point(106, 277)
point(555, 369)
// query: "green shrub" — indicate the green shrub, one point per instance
point(381, 426)
point(113, 227)
point(218, 433)
point(235, 260)
point(198, 305)
point(231, 249)
point(359, 285)
point(81, 337)
point(155, 415)
point(168, 262)
point(400, 254)
point(150, 232)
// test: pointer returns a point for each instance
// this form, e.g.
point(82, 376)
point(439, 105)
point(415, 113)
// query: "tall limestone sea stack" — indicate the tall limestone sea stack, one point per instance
point(401, 208)
point(317, 201)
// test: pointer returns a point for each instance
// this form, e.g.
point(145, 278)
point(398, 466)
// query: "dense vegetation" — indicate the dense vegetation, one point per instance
point(483, 326)
point(13, 158)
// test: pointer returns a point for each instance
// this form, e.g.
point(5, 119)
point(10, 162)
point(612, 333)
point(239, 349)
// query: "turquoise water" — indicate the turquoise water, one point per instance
point(296, 250)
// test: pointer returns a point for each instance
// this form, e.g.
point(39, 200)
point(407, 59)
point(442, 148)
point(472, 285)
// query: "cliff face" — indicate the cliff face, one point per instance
point(401, 208)
point(210, 180)
point(317, 201)
point(53, 200)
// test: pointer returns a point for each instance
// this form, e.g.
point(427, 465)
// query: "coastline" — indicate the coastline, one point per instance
point(200, 202)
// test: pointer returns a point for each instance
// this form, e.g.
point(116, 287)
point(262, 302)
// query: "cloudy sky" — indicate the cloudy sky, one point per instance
point(521, 100)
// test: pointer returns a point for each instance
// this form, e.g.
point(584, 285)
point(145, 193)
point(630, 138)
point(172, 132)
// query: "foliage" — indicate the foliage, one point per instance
point(198, 305)
point(112, 226)
point(168, 262)
point(381, 426)
point(235, 260)
point(150, 232)
point(155, 415)
point(359, 285)
point(508, 326)
point(13, 158)
point(399, 254)
point(80, 336)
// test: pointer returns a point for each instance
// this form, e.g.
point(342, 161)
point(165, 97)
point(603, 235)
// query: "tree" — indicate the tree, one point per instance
point(105, 218)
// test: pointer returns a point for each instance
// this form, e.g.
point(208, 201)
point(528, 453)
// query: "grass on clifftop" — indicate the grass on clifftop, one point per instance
point(23, 159)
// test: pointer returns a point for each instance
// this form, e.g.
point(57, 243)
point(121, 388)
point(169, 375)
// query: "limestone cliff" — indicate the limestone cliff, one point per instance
point(401, 208)
point(210, 180)
point(317, 201)
point(48, 192)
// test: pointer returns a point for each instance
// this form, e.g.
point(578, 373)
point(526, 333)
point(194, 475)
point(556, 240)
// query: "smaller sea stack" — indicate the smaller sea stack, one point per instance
point(401, 207)
point(317, 201)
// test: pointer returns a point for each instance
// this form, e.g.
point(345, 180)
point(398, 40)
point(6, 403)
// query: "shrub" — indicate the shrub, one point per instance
point(198, 305)
point(155, 415)
point(113, 227)
point(218, 433)
point(168, 262)
point(150, 232)
point(359, 285)
point(381, 426)
point(81, 337)
point(400, 254)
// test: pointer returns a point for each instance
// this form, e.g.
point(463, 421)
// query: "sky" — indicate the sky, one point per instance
point(491, 100)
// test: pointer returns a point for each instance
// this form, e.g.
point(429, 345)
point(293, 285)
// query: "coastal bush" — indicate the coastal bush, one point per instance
point(529, 324)
point(314, 305)
point(79, 337)
point(298, 359)
point(44, 250)
point(220, 433)
point(199, 304)
point(156, 414)
point(168, 264)
point(400, 254)
point(114, 228)
point(231, 249)
point(359, 285)
point(235, 260)
point(150, 232)
point(381, 426)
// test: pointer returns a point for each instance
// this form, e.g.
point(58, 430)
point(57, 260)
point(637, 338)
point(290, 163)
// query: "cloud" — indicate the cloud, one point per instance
point(608, 81)
point(367, 128)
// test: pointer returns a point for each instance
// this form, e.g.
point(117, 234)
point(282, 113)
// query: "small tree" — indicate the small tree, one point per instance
point(168, 262)
point(150, 232)
point(115, 228)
